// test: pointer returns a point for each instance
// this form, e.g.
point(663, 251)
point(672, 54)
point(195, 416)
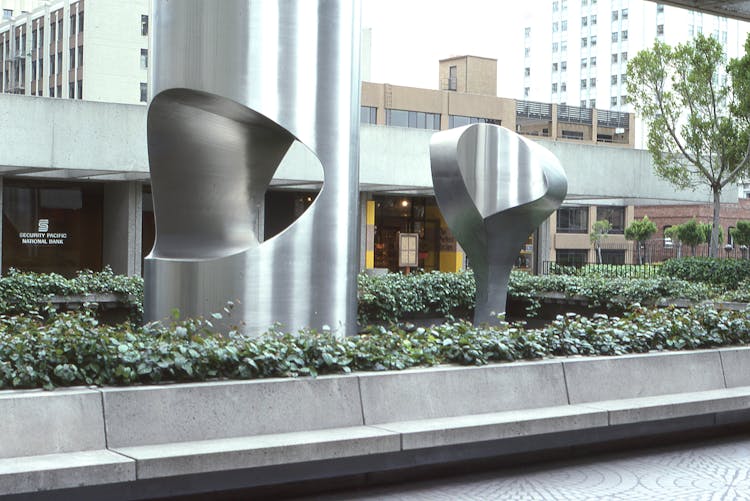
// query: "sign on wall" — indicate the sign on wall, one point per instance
point(42, 236)
point(408, 250)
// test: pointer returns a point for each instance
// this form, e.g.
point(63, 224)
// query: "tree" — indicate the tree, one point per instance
point(697, 120)
point(599, 232)
point(640, 231)
point(673, 233)
point(741, 235)
point(691, 233)
point(706, 229)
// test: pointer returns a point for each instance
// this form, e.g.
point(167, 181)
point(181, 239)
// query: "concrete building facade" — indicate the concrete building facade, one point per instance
point(76, 50)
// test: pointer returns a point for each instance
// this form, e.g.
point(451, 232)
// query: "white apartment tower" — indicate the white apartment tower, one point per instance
point(576, 51)
point(75, 49)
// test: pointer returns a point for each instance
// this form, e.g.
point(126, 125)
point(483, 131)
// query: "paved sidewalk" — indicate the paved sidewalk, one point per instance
point(718, 469)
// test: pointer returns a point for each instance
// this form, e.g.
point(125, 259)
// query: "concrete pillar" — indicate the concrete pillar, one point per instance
point(553, 125)
point(122, 227)
point(594, 125)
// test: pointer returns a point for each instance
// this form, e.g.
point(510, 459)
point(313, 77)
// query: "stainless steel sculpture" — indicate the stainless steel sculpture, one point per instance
point(493, 188)
point(235, 83)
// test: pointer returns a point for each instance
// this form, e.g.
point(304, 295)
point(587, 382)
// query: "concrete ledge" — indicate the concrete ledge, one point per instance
point(195, 438)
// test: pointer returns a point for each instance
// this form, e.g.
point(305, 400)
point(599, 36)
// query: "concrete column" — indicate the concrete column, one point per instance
point(553, 125)
point(594, 125)
point(122, 229)
point(543, 248)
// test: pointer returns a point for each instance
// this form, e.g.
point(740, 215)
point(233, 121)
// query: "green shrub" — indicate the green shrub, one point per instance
point(26, 292)
point(71, 349)
point(727, 273)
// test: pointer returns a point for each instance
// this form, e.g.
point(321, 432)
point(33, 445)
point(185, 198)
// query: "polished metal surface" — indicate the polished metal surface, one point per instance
point(235, 84)
point(493, 188)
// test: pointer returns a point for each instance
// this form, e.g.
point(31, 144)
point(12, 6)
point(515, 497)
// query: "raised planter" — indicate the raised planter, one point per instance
point(169, 440)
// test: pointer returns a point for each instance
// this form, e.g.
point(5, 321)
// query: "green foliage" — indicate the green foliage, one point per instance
point(599, 232)
point(72, 349)
point(697, 128)
point(724, 273)
point(691, 234)
point(741, 233)
point(25, 292)
point(390, 297)
point(707, 228)
point(640, 231)
point(394, 297)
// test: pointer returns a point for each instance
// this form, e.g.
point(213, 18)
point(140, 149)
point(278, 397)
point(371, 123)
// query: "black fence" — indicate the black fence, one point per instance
point(607, 270)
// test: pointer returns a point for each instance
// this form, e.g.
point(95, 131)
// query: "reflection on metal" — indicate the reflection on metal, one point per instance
point(493, 188)
point(235, 84)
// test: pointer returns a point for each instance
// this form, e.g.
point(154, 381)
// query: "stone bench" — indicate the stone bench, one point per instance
point(192, 438)
point(55, 440)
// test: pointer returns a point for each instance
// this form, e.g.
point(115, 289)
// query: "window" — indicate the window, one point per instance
point(613, 256)
point(555, 47)
point(554, 67)
point(563, 87)
point(52, 64)
point(583, 83)
point(144, 59)
point(615, 216)
point(584, 21)
point(564, 66)
point(573, 220)
point(59, 29)
point(592, 61)
point(623, 100)
point(51, 92)
point(564, 4)
point(461, 120)
point(564, 26)
point(59, 62)
point(412, 119)
point(584, 62)
point(33, 70)
point(593, 40)
point(572, 257)
point(615, 36)
point(52, 31)
point(80, 55)
point(592, 19)
point(624, 14)
point(624, 35)
point(555, 27)
point(144, 92)
point(80, 89)
point(144, 25)
point(71, 90)
point(615, 15)
point(660, 29)
point(7, 13)
point(72, 24)
point(555, 6)
point(614, 58)
point(527, 52)
point(41, 37)
point(583, 103)
point(691, 30)
point(592, 82)
point(584, 42)
point(527, 32)
point(453, 78)
point(624, 57)
point(623, 78)
point(554, 88)
point(613, 101)
point(574, 134)
point(592, 103)
point(72, 57)
point(368, 115)
point(59, 91)
point(563, 46)
point(584, 3)
point(659, 8)
point(613, 79)
point(526, 91)
point(80, 21)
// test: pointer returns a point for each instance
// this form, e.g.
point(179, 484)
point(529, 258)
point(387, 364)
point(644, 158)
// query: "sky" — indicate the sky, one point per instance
point(409, 37)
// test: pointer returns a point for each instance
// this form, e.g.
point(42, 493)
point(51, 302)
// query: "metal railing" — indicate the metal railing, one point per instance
point(574, 114)
point(608, 118)
point(534, 109)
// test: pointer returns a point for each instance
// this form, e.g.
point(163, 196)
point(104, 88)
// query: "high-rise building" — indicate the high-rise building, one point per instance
point(97, 51)
point(576, 51)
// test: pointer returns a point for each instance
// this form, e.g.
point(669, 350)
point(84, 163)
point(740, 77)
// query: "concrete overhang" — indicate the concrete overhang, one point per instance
point(736, 9)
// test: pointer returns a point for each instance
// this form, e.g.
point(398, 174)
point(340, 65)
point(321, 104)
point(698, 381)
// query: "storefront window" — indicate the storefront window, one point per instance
point(52, 227)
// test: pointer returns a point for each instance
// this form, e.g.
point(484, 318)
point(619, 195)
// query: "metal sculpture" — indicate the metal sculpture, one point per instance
point(493, 188)
point(235, 83)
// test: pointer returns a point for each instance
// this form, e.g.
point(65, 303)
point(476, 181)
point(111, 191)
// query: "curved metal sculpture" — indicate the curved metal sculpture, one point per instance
point(235, 83)
point(493, 188)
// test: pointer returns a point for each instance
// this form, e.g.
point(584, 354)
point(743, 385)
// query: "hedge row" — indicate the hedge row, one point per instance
point(727, 273)
point(71, 349)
